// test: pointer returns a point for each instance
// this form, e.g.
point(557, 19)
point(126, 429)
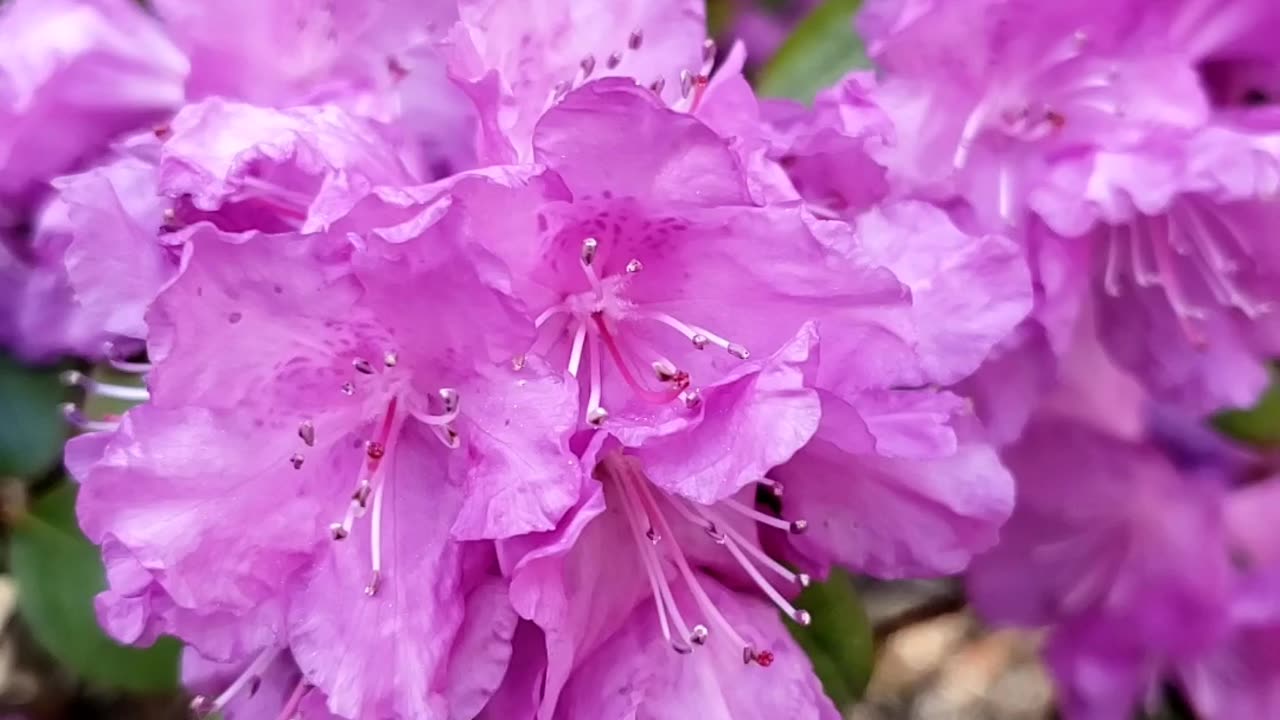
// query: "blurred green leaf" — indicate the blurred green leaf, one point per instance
point(1259, 425)
point(32, 428)
point(58, 573)
point(839, 641)
point(819, 52)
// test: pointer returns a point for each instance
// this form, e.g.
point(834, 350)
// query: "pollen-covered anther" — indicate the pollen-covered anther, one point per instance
point(307, 431)
point(73, 378)
point(375, 450)
point(802, 617)
point(390, 359)
point(635, 265)
point(653, 536)
point(588, 64)
point(348, 389)
point(201, 706)
point(296, 460)
point(799, 527)
point(664, 370)
point(699, 635)
point(596, 416)
point(636, 39)
point(613, 61)
point(700, 341)
point(337, 531)
point(375, 583)
point(518, 362)
point(803, 579)
point(691, 398)
point(450, 399)
point(738, 351)
point(589, 248)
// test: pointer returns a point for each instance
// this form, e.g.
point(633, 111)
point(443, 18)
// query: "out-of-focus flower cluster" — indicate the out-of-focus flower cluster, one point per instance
point(513, 360)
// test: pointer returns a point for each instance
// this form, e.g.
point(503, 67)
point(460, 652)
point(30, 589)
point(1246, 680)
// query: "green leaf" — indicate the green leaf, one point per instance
point(1259, 425)
point(821, 50)
point(839, 641)
point(58, 573)
point(32, 428)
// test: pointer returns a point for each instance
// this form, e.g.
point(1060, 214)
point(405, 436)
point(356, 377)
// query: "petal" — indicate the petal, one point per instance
point(518, 472)
point(482, 652)
point(389, 654)
point(635, 674)
point(893, 504)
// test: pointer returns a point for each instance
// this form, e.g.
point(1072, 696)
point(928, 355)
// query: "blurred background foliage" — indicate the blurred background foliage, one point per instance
point(56, 663)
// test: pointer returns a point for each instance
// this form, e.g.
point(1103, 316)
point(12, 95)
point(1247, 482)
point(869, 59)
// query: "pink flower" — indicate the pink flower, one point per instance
point(294, 377)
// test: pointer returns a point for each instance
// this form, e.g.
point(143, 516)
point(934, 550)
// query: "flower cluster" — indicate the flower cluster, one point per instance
point(511, 361)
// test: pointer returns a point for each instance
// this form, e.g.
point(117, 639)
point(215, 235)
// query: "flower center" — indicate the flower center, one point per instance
point(655, 542)
point(597, 321)
point(437, 412)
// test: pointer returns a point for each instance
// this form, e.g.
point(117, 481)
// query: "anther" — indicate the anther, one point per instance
point(691, 398)
point(587, 64)
point(449, 397)
point(201, 706)
point(337, 531)
point(589, 247)
point(361, 495)
point(162, 131)
point(708, 50)
point(362, 366)
point(664, 370)
point(518, 362)
point(803, 579)
point(613, 60)
point(375, 582)
point(698, 636)
point(450, 437)
point(657, 85)
point(700, 341)
point(296, 459)
point(802, 617)
point(636, 39)
point(774, 486)
point(714, 533)
point(634, 266)
point(390, 359)
point(596, 416)
point(738, 351)
point(686, 83)
point(653, 536)
point(798, 527)
point(348, 389)
point(375, 450)
point(73, 378)
point(561, 89)
point(307, 431)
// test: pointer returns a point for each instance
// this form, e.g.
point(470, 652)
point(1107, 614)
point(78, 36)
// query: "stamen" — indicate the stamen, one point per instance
point(82, 422)
point(613, 60)
point(663, 599)
point(795, 527)
point(609, 341)
point(575, 354)
point(390, 359)
point(375, 544)
point(686, 83)
point(449, 397)
point(75, 378)
point(708, 53)
point(289, 712)
point(120, 362)
point(682, 564)
point(596, 415)
point(587, 64)
point(700, 337)
point(754, 550)
point(636, 39)
point(203, 707)
point(307, 431)
point(691, 398)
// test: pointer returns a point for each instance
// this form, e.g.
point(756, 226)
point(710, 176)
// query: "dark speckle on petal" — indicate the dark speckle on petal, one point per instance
point(235, 317)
